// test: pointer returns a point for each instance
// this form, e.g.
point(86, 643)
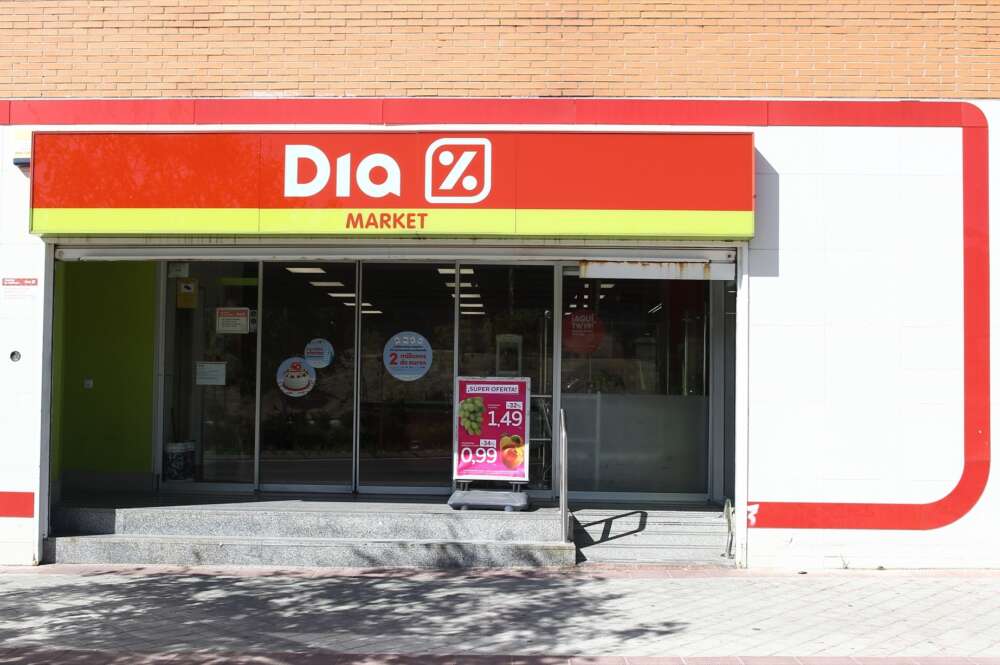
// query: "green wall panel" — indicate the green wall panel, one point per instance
point(104, 323)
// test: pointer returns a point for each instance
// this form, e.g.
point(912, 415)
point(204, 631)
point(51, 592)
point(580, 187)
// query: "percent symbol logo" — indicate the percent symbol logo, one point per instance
point(458, 170)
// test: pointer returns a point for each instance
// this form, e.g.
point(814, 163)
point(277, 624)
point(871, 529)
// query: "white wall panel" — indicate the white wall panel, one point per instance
point(888, 422)
point(22, 256)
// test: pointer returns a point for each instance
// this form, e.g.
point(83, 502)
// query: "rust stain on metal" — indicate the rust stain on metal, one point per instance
point(681, 268)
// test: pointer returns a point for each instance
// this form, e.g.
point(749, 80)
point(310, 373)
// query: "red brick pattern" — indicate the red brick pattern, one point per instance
point(668, 48)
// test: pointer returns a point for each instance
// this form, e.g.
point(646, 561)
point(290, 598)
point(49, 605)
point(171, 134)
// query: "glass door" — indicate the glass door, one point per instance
point(406, 378)
point(307, 376)
point(505, 329)
point(210, 367)
point(634, 385)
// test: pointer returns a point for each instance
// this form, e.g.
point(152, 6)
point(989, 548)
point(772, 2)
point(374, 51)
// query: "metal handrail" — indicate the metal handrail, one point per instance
point(563, 481)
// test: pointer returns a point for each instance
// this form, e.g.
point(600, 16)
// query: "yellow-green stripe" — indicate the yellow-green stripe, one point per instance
point(145, 221)
point(708, 224)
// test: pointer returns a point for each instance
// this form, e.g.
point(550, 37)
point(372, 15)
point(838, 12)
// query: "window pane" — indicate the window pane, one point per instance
point(307, 373)
point(406, 392)
point(634, 384)
point(505, 329)
point(211, 367)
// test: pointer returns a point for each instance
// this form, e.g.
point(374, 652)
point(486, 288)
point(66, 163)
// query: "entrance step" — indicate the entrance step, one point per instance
point(306, 533)
point(259, 520)
point(695, 537)
point(312, 552)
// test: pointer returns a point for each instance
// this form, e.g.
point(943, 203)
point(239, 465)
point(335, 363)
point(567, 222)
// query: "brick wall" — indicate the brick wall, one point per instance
point(119, 48)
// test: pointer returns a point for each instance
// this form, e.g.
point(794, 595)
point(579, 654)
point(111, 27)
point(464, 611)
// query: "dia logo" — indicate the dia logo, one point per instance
point(458, 171)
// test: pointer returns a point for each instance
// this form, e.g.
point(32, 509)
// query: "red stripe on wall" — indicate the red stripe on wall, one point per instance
point(276, 111)
point(480, 111)
point(671, 112)
point(17, 504)
point(102, 112)
point(865, 114)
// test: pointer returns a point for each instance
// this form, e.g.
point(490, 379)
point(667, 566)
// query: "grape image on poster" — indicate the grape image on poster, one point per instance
point(318, 353)
point(295, 376)
point(407, 356)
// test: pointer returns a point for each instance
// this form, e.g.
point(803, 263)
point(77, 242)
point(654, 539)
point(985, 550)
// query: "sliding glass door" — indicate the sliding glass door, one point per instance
point(307, 375)
point(407, 314)
point(209, 373)
point(635, 385)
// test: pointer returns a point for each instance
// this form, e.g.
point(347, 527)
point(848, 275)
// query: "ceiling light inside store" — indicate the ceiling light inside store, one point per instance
point(467, 295)
point(371, 311)
point(474, 312)
point(451, 271)
point(471, 304)
point(327, 284)
point(586, 296)
point(605, 285)
point(341, 295)
point(572, 305)
point(464, 285)
point(306, 271)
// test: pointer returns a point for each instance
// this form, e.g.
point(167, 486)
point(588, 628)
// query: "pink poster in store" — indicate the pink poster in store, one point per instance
point(491, 429)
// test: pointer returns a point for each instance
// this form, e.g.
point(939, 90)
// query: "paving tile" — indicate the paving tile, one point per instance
point(300, 618)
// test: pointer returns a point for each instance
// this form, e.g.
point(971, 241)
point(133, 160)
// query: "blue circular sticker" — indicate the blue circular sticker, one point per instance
point(318, 353)
point(407, 356)
point(295, 376)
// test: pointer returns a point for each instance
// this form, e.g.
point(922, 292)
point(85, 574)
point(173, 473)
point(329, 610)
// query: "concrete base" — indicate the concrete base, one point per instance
point(311, 552)
point(297, 532)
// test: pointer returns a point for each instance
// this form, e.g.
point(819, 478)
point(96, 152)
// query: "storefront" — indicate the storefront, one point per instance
point(285, 368)
point(265, 305)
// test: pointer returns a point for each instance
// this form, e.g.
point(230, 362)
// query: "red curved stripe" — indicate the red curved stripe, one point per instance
point(975, 473)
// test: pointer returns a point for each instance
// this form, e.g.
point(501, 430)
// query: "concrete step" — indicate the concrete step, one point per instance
point(695, 556)
point(254, 521)
point(653, 518)
point(319, 552)
point(677, 538)
point(683, 537)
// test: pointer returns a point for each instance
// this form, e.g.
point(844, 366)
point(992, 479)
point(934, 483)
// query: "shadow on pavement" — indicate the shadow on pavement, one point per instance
point(198, 618)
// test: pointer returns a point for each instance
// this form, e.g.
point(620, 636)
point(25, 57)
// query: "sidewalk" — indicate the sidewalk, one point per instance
point(160, 615)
